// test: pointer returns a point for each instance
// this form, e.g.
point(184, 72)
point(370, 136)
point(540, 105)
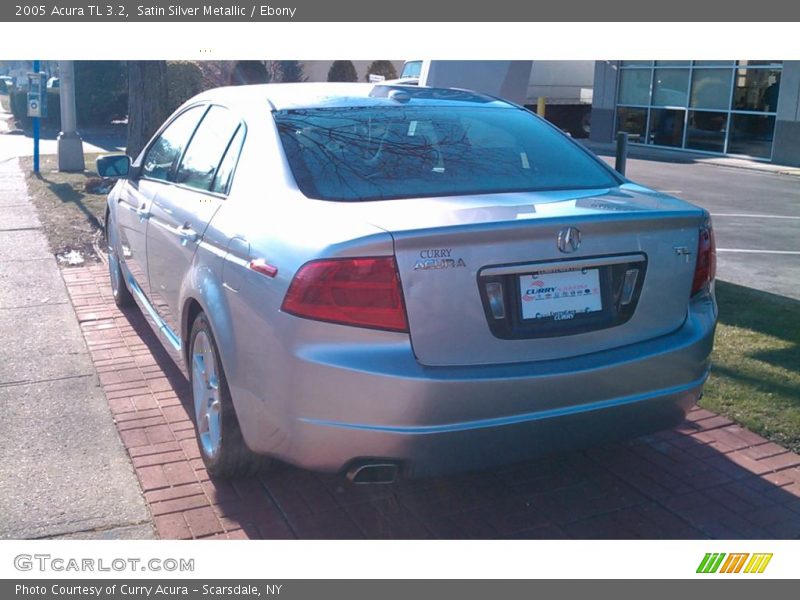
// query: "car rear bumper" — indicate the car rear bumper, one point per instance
point(375, 402)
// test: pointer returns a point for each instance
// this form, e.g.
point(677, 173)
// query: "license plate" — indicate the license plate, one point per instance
point(560, 296)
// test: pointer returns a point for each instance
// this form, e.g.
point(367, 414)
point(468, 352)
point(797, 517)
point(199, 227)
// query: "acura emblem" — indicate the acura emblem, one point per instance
point(569, 239)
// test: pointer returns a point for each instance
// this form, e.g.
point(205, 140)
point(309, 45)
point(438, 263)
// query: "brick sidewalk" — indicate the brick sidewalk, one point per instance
point(708, 478)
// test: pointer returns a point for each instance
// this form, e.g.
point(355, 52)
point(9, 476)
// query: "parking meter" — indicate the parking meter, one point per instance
point(37, 95)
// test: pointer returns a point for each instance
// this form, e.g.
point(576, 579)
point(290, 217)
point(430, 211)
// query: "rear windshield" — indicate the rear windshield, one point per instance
point(378, 153)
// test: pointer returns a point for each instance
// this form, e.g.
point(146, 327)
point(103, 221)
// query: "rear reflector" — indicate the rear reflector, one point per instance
point(363, 292)
point(706, 267)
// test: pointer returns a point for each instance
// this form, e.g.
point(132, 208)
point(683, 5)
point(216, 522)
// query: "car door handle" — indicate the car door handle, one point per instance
point(143, 214)
point(187, 234)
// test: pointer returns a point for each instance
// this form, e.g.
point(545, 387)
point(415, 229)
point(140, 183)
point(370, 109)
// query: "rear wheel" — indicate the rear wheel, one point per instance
point(119, 289)
point(222, 447)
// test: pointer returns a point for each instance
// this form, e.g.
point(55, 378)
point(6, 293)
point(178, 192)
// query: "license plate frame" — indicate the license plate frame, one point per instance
point(560, 295)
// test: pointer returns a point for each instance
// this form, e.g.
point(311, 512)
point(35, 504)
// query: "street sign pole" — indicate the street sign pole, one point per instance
point(36, 67)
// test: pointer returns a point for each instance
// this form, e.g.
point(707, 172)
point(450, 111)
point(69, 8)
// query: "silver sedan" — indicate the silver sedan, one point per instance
point(388, 279)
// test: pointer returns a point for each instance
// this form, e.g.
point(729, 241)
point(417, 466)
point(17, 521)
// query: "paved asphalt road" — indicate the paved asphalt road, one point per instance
point(756, 218)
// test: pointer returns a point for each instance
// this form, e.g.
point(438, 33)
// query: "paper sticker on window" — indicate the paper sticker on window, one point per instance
point(412, 128)
point(524, 157)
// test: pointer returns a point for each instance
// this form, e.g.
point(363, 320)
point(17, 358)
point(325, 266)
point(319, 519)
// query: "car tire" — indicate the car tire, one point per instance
point(119, 288)
point(219, 437)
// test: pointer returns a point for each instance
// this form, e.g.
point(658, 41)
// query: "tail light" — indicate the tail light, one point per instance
point(706, 267)
point(363, 292)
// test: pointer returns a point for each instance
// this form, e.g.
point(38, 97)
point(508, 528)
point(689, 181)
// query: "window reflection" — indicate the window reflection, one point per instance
point(670, 87)
point(706, 131)
point(199, 163)
point(632, 121)
point(759, 63)
point(165, 151)
point(751, 135)
point(711, 88)
point(634, 87)
point(666, 127)
point(713, 63)
point(756, 90)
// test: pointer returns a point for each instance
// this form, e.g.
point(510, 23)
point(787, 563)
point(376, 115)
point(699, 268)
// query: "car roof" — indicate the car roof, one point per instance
point(292, 96)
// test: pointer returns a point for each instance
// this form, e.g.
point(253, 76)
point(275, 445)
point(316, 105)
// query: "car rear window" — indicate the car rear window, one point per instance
point(377, 153)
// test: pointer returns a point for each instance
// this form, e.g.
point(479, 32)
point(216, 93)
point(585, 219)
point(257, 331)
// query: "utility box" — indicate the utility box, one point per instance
point(37, 95)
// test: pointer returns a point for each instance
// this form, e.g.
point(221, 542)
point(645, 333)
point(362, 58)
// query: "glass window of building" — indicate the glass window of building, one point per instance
point(756, 90)
point(751, 135)
point(759, 63)
point(634, 87)
point(711, 88)
point(706, 130)
point(717, 106)
point(632, 121)
point(670, 87)
point(666, 127)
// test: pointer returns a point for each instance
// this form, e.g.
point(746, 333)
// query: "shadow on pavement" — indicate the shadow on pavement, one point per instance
point(707, 478)
point(109, 138)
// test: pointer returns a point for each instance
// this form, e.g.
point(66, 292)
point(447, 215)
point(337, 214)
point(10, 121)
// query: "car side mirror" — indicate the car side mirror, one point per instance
point(116, 166)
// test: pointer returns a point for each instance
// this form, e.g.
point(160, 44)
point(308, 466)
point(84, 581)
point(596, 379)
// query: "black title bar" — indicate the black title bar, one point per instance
point(405, 11)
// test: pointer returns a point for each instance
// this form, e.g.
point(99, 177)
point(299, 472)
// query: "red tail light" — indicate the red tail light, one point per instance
point(706, 267)
point(364, 292)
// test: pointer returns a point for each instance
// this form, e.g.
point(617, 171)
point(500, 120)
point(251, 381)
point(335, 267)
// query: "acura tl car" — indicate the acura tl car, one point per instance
point(387, 280)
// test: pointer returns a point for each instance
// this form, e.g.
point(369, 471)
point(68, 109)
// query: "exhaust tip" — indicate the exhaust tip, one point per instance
point(372, 473)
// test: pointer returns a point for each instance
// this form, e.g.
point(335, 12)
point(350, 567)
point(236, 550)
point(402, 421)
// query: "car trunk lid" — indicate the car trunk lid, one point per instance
point(628, 278)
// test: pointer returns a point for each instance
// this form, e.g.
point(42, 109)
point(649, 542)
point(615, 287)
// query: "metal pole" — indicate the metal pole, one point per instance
point(36, 131)
point(622, 152)
point(70, 147)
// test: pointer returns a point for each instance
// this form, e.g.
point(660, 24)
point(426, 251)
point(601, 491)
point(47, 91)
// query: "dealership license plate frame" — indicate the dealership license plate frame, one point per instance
point(560, 295)
point(612, 269)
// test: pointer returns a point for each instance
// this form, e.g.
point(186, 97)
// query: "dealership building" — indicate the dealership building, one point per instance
point(747, 108)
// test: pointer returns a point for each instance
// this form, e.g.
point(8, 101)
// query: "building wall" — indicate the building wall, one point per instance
point(786, 147)
point(604, 100)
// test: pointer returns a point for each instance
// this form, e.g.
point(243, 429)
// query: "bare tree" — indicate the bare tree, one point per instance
point(147, 101)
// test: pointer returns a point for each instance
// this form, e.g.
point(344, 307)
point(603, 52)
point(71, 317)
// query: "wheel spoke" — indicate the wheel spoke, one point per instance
point(214, 426)
point(205, 391)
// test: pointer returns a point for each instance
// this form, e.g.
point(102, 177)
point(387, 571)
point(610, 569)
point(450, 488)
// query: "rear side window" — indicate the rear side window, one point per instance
point(166, 150)
point(199, 164)
point(374, 153)
point(222, 180)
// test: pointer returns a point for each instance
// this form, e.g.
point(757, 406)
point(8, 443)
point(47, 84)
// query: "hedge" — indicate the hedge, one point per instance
point(184, 80)
point(101, 91)
point(342, 70)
